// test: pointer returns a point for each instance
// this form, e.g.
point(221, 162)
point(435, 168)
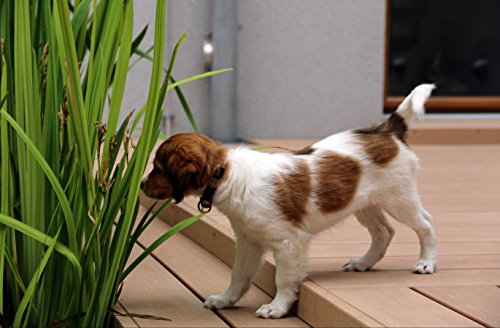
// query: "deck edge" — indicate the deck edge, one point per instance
point(312, 297)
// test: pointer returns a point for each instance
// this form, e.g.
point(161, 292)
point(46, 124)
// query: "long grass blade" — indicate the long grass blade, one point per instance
point(172, 231)
point(142, 151)
point(4, 174)
point(120, 79)
point(79, 16)
point(69, 64)
point(175, 85)
point(185, 106)
point(197, 77)
point(14, 270)
point(44, 239)
point(66, 208)
point(29, 292)
point(144, 223)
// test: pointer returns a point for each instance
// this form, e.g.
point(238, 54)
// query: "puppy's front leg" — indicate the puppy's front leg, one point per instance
point(247, 260)
point(291, 261)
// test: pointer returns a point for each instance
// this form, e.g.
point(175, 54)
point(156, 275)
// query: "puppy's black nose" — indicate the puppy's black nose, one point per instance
point(142, 184)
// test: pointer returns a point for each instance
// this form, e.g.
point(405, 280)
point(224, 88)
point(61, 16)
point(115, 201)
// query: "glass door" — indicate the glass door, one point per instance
point(454, 43)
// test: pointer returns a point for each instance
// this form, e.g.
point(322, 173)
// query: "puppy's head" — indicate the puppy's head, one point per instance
point(183, 165)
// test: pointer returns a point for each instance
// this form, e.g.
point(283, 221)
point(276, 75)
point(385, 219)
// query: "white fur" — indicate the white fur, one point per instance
point(413, 105)
point(247, 198)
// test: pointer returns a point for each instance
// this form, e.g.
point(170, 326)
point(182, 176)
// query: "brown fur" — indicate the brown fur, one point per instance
point(338, 178)
point(304, 151)
point(157, 185)
point(184, 163)
point(380, 148)
point(293, 190)
point(395, 125)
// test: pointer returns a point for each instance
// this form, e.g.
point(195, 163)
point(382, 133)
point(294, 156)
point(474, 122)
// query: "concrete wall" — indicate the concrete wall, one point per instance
point(309, 68)
point(192, 17)
point(182, 16)
point(137, 86)
point(304, 68)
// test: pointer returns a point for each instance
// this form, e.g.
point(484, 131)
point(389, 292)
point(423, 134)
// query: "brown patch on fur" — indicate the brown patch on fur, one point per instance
point(380, 148)
point(337, 180)
point(293, 189)
point(304, 151)
point(397, 125)
point(394, 125)
point(183, 164)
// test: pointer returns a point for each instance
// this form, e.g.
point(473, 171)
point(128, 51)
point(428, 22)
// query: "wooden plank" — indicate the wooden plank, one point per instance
point(206, 275)
point(323, 309)
point(454, 136)
point(206, 234)
point(472, 277)
point(405, 263)
point(480, 303)
point(454, 227)
point(484, 225)
point(152, 290)
point(402, 307)
point(457, 124)
point(353, 250)
point(310, 299)
point(460, 199)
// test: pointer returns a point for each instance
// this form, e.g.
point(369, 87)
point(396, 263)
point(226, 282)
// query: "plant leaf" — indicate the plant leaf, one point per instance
point(68, 214)
point(44, 239)
point(172, 231)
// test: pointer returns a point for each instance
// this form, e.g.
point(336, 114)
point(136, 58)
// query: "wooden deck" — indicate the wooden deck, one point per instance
point(460, 187)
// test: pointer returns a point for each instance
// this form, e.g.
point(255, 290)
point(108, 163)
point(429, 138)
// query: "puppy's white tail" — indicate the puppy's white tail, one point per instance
point(413, 105)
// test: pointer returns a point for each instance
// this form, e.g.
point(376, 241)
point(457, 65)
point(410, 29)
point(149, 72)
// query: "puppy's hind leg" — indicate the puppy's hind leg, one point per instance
point(410, 211)
point(381, 231)
point(247, 261)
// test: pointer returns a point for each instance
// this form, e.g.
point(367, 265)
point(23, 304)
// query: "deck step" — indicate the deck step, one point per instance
point(455, 131)
point(151, 290)
point(315, 306)
point(200, 274)
point(328, 303)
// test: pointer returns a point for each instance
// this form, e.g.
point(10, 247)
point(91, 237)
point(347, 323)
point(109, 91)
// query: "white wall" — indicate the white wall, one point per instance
point(304, 68)
point(193, 17)
point(137, 86)
point(182, 16)
point(309, 68)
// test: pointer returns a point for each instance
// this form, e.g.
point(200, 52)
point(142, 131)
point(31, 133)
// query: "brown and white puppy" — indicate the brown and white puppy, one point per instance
point(277, 202)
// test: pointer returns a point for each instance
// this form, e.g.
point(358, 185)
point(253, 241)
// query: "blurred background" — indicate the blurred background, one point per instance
point(307, 69)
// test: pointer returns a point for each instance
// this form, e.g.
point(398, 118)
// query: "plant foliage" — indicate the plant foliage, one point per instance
point(69, 183)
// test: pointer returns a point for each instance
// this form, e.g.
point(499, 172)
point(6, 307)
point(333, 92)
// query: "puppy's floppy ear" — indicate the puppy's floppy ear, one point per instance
point(186, 179)
point(190, 160)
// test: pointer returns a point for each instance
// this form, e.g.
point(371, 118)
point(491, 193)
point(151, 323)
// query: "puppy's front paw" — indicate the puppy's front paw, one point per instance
point(357, 265)
point(424, 267)
point(271, 311)
point(218, 302)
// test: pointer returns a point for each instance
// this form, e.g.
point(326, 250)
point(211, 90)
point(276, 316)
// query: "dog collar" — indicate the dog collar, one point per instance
point(205, 203)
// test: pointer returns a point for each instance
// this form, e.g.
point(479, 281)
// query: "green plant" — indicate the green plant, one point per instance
point(68, 182)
